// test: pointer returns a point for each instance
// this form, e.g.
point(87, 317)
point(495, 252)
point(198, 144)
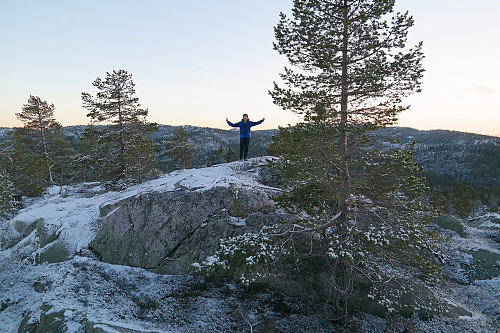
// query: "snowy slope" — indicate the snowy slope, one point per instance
point(72, 213)
point(83, 293)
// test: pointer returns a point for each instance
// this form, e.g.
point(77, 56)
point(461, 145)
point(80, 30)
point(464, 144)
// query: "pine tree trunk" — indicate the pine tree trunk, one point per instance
point(345, 178)
point(44, 146)
point(122, 138)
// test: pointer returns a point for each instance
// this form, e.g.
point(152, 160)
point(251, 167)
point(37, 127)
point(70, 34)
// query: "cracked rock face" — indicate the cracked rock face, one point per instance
point(167, 232)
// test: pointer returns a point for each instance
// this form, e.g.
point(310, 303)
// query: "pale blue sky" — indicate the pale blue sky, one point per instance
point(196, 62)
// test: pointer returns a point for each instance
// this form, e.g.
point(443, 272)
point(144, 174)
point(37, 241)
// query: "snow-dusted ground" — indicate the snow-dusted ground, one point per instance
point(125, 299)
point(84, 289)
point(480, 297)
point(73, 214)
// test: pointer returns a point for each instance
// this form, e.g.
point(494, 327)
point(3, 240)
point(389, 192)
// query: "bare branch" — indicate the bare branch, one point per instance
point(298, 229)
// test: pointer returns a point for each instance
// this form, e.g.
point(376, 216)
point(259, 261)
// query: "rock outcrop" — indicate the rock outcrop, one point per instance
point(163, 225)
point(167, 232)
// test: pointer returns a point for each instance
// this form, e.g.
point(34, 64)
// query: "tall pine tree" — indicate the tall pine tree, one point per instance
point(115, 104)
point(362, 208)
point(38, 116)
point(352, 73)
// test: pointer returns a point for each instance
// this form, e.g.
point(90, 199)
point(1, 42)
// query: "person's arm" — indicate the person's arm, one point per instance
point(231, 124)
point(258, 122)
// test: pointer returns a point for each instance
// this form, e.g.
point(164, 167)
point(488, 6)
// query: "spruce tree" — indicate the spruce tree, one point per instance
point(360, 231)
point(115, 104)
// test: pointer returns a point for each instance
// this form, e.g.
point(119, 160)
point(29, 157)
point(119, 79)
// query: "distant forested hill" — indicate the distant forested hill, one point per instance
point(446, 156)
point(454, 155)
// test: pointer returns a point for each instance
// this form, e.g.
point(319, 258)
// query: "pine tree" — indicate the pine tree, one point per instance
point(362, 204)
point(115, 104)
point(142, 158)
point(62, 156)
point(38, 116)
point(220, 153)
point(179, 149)
point(25, 165)
point(95, 160)
point(230, 154)
point(462, 201)
point(356, 73)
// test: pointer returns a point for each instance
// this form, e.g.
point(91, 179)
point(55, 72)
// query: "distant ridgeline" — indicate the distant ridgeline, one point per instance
point(446, 156)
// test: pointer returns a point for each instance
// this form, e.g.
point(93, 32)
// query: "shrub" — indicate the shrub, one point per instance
point(451, 223)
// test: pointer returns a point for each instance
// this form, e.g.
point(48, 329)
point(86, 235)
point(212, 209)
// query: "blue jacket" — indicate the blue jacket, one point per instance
point(245, 127)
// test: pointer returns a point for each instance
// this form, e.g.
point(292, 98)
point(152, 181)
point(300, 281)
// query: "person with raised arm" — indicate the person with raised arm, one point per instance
point(245, 134)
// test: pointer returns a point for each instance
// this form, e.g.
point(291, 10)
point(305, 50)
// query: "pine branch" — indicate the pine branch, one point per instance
point(299, 229)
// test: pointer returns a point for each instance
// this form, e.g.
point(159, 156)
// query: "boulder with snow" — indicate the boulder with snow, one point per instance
point(163, 225)
point(168, 231)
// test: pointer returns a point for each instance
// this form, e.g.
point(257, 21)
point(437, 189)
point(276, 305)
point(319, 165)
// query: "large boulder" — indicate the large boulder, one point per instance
point(168, 231)
point(11, 234)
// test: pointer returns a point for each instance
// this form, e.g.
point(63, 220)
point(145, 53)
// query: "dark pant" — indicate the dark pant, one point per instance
point(244, 142)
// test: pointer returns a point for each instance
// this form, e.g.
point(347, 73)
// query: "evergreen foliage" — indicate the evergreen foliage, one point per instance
point(237, 209)
point(179, 149)
point(220, 153)
point(451, 223)
point(493, 203)
point(93, 156)
point(438, 200)
point(462, 201)
point(361, 213)
point(230, 154)
point(62, 156)
point(24, 163)
point(38, 116)
point(115, 104)
point(37, 155)
point(142, 158)
point(8, 204)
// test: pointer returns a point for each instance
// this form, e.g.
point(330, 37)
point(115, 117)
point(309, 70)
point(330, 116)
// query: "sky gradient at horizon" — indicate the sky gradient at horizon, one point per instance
point(198, 62)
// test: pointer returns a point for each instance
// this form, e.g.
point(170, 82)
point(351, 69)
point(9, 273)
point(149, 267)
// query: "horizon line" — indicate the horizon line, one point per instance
point(270, 129)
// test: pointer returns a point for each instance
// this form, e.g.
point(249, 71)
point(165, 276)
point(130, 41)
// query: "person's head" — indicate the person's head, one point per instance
point(245, 117)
